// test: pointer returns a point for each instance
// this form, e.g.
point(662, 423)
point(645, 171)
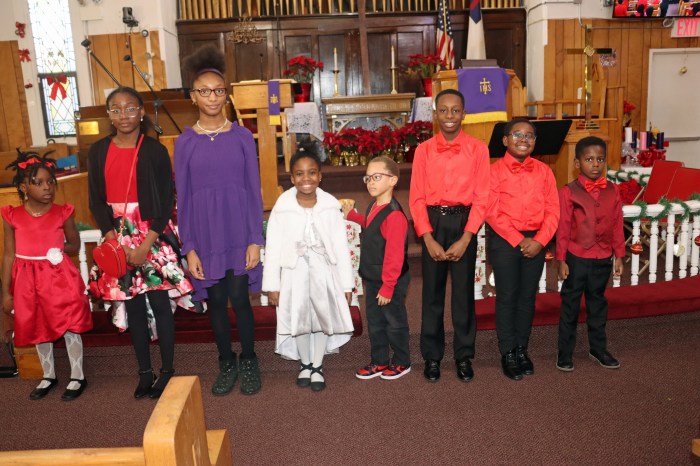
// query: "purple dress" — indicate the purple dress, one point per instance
point(219, 203)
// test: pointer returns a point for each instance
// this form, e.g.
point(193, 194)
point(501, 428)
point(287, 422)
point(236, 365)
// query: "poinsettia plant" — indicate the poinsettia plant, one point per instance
point(302, 69)
point(413, 133)
point(424, 65)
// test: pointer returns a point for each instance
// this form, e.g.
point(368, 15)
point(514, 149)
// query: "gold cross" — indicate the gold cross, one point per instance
point(485, 86)
point(273, 99)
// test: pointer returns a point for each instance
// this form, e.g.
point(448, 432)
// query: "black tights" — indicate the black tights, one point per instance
point(165, 325)
point(235, 288)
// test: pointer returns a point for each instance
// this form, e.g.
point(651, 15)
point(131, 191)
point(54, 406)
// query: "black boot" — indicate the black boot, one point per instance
point(509, 362)
point(146, 379)
point(160, 384)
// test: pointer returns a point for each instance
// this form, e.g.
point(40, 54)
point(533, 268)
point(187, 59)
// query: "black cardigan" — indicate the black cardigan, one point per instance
point(154, 181)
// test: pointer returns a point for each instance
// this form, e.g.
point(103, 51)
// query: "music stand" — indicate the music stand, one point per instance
point(550, 137)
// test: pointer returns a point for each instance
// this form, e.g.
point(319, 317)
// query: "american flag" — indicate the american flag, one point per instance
point(445, 44)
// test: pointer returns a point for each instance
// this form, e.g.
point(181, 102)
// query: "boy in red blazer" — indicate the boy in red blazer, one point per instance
point(590, 232)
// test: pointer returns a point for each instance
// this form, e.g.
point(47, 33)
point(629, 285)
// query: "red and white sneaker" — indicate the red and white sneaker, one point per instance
point(395, 371)
point(371, 371)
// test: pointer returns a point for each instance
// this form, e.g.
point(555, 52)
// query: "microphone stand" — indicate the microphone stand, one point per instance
point(86, 43)
point(157, 102)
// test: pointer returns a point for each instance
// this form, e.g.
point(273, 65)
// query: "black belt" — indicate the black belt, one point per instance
point(450, 209)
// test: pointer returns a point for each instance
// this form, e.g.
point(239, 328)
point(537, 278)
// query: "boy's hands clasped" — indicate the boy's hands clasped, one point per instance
point(529, 247)
point(453, 253)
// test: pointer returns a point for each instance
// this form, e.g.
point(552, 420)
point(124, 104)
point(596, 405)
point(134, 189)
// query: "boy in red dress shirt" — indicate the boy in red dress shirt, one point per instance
point(384, 266)
point(620, 10)
point(449, 192)
point(523, 215)
point(590, 231)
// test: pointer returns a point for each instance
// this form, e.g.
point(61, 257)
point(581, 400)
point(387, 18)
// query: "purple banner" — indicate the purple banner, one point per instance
point(273, 101)
point(484, 91)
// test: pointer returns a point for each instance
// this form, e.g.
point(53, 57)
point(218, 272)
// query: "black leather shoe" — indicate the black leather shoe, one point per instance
point(159, 385)
point(39, 393)
point(524, 362)
point(509, 362)
point(565, 362)
point(604, 358)
point(432, 370)
point(464, 370)
point(70, 395)
point(146, 379)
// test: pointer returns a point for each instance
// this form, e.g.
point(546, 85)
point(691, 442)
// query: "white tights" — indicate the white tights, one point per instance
point(312, 353)
point(74, 347)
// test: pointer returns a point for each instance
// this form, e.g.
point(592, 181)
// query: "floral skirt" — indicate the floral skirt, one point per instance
point(161, 271)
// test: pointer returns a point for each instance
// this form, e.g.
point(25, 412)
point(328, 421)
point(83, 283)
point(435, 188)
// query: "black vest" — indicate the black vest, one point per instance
point(373, 244)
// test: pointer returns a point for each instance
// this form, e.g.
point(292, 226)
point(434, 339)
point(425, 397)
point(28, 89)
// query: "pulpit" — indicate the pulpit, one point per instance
point(254, 97)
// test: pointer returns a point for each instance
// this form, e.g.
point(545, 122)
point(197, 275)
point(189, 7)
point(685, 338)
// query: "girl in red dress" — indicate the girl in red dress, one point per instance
point(42, 286)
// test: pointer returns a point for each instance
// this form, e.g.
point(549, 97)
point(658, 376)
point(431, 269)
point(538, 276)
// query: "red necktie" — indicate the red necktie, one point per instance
point(600, 183)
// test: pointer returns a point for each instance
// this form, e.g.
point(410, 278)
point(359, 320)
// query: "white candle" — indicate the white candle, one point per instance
point(393, 62)
point(628, 135)
point(335, 59)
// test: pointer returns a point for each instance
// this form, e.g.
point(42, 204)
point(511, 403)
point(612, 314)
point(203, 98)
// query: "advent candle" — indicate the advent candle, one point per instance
point(335, 59)
point(393, 62)
point(634, 139)
point(628, 135)
point(650, 139)
point(642, 140)
point(660, 141)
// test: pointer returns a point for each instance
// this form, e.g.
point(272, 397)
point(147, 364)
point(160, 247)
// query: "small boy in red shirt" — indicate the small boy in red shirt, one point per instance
point(384, 266)
point(523, 215)
point(590, 231)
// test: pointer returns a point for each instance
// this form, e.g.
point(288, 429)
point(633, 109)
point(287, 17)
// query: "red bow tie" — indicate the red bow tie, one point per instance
point(449, 148)
point(528, 165)
point(600, 183)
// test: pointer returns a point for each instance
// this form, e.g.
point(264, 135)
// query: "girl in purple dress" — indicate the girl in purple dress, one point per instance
point(220, 217)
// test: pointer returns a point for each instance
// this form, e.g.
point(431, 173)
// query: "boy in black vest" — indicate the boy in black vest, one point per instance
point(590, 232)
point(384, 266)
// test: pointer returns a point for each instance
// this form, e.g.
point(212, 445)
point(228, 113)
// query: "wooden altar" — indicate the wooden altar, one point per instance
point(394, 109)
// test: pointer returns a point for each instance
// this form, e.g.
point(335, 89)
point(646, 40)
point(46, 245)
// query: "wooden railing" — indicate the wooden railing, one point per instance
point(218, 9)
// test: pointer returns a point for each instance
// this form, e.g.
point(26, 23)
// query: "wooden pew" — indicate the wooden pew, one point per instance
point(175, 435)
point(696, 447)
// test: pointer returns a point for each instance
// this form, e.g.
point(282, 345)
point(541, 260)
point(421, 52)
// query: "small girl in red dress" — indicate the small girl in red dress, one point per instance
point(42, 286)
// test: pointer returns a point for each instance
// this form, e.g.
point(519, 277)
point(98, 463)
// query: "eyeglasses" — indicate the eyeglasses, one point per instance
point(206, 92)
point(377, 177)
point(38, 183)
point(129, 112)
point(518, 136)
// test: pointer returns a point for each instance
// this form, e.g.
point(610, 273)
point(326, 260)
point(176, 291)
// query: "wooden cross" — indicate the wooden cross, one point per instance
point(588, 51)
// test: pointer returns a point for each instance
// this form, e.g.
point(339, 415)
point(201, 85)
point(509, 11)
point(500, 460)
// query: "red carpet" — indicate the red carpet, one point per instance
point(626, 302)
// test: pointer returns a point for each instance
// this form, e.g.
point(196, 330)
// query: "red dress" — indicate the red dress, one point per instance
point(49, 299)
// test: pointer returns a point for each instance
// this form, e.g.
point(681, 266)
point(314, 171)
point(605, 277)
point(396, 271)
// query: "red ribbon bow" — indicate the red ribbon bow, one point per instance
point(600, 183)
point(446, 147)
point(24, 55)
point(33, 160)
point(528, 165)
point(57, 85)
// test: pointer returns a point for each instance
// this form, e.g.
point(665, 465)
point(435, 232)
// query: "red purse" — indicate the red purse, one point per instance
point(110, 256)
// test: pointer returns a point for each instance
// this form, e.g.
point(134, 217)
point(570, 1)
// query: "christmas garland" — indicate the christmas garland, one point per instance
point(618, 177)
point(668, 205)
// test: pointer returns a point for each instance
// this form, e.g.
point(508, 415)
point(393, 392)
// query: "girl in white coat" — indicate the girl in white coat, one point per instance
point(307, 272)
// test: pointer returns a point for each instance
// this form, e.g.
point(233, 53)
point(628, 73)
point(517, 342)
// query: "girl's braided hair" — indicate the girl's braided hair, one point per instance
point(28, 164)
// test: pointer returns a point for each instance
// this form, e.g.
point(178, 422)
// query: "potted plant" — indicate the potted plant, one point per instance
point(425, 66)
point(302, 70)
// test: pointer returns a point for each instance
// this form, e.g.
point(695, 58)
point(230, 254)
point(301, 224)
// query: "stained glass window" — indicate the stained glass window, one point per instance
point(55, 62)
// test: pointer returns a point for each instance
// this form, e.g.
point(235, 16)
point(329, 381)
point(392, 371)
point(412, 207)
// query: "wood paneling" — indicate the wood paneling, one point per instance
point(631, 41)
point(111, 50)
point(316, 37)
point(14, 117)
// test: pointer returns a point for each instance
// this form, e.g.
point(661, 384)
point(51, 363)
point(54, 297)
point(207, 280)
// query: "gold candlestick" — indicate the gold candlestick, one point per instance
point(393, 79)
point(335, 79)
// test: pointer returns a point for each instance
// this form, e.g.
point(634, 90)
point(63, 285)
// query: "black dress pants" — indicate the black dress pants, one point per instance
point(388, 325)
point(447, 229)
point(517, 278)
point(587, 277)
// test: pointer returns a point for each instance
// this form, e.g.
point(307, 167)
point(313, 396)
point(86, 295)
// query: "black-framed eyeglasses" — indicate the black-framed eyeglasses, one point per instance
point(206, 92)
point(129, 112)
point(518, 136)
point(377, 177)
